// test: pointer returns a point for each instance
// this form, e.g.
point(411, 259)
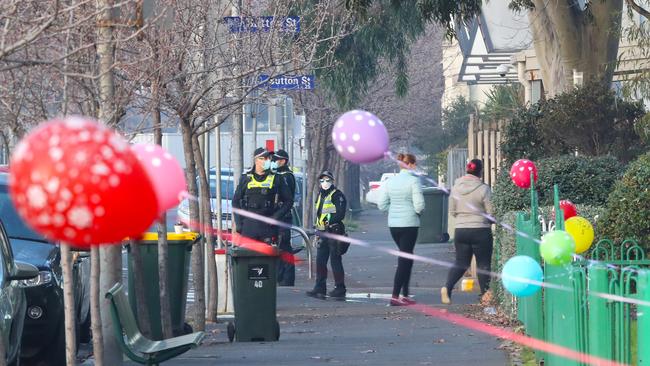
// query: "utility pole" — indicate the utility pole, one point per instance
point(237, 126)
point(217, 168)
point(283, 124)
point(110, 255)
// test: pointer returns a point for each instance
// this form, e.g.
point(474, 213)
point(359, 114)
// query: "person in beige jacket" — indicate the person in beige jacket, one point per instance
point(471, 207)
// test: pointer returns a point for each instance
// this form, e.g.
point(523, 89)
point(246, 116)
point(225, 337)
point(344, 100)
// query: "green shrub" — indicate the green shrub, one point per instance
point(582, 180)
point(627, 213)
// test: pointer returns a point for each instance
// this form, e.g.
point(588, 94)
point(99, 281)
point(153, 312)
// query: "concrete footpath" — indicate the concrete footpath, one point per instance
point(362, 330)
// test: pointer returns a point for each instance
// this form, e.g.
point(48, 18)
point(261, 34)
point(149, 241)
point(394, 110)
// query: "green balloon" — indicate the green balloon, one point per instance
point(557, 248)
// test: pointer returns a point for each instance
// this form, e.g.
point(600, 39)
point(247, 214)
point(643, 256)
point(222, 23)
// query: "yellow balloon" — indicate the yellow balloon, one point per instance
point(581, 231)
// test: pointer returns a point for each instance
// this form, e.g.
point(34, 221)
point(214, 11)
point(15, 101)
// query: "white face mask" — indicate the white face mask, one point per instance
point(326, 185)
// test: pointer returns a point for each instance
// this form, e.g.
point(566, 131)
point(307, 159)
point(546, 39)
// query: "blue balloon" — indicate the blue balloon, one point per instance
point(517, 274)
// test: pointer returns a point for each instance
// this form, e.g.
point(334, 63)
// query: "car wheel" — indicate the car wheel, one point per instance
point(55, 354)
point(277, 330)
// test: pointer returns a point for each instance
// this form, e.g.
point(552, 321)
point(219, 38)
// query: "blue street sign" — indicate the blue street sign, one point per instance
point(288, 82)
point(262, 24)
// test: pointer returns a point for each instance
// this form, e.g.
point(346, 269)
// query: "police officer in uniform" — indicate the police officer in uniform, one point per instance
point(286, 267)
point(264, 193)
point(330, 211)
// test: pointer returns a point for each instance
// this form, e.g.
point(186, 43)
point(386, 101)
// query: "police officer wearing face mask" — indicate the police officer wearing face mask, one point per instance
point(330, 211)
point(264, 193)
point(286, 268)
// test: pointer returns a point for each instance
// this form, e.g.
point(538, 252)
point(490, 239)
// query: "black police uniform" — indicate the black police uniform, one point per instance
point(267, 195)
point(286, 268)
point(329, 249)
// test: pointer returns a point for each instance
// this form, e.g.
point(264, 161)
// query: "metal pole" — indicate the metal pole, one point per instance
point(285, 133)
point(208, 253)
point(217, 168)
point(254, 111)
point(305, 195)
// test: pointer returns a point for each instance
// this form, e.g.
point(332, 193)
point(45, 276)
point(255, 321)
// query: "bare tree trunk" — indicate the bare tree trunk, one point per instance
point(207, 233)
point(95, 314)
point(197, 251)
point(68, 306)
point(567, 38)
point(165, 305)
point(144, 320)
point(111, 255)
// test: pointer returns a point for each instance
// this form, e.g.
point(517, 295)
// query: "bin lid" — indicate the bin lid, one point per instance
point(263, 250)
point(434, 190)
point(186, 236)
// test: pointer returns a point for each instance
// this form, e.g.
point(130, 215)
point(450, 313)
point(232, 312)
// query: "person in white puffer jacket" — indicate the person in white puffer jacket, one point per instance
point(402, 197)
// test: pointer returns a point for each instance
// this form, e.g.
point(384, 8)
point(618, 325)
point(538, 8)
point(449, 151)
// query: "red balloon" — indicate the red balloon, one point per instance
point(520, 173)
point(569, 209)
point(76, 181)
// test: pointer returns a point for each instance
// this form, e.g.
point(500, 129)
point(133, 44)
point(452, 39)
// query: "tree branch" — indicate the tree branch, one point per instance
point(638, 8)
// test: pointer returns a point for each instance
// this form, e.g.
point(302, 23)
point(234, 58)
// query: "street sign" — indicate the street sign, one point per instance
point(288, 82)
point(262, 24)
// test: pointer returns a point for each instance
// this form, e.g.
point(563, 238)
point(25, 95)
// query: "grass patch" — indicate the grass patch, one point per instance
point(351, 224)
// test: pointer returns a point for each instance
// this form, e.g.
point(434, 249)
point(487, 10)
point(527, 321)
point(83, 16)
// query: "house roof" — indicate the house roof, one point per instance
point(489, 40)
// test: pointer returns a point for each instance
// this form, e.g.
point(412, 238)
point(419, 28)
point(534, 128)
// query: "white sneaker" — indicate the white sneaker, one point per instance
point(444, 296)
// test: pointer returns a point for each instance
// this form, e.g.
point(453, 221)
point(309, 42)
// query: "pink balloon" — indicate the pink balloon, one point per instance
point(360, 137)
point(520, 173)
point(165, 173)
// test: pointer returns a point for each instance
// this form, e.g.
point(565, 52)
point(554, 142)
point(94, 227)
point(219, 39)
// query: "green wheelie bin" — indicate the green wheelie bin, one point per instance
point(254, 286)
point(178, 264)
point(433, 221)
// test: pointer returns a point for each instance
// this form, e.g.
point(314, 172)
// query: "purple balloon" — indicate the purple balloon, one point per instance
point(360, 137)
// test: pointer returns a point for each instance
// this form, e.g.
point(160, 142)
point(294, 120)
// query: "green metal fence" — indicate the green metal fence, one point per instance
point(581, 308)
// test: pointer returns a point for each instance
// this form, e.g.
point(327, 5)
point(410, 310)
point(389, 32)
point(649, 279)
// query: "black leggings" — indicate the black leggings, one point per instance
point(468, 242)
point(405, 238)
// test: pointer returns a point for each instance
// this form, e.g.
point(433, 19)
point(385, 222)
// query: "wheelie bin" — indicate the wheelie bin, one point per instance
point(178, 264)
point(433, 221)
point(254, 295)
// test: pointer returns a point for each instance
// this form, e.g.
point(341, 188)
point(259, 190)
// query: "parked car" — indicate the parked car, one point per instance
point(374, 188)
point(227, 192)
point(13, 304)
point(43, 339)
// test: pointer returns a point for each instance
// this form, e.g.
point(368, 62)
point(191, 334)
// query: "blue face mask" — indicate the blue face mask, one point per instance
point(267, 164)
point(274, 165)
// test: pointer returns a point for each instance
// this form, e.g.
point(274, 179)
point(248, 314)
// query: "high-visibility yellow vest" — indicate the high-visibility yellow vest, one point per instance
point(259, 196)
point(328, 209)
point(266, 183)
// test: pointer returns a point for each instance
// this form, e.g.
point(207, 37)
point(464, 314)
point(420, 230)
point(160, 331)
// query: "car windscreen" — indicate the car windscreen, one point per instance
point(14, 225)
point(227, 188)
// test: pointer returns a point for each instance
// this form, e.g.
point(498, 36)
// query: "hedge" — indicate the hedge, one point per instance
point(627, 213)
point(582, 180)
